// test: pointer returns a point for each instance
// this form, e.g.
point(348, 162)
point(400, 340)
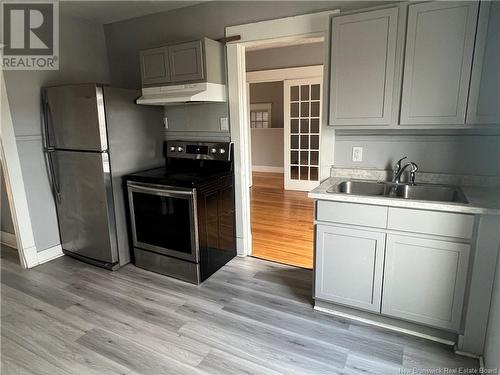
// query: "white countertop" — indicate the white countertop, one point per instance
point(482, 201)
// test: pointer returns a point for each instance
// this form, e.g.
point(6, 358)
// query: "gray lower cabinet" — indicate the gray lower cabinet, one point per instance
point(425, 280)
point(155, 66)
point(186, 61)
point(349, 266)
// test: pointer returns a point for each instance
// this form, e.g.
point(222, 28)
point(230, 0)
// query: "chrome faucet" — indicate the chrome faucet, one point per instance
point(399, 170)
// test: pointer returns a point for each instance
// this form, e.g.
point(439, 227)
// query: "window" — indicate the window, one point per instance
point(260, 115)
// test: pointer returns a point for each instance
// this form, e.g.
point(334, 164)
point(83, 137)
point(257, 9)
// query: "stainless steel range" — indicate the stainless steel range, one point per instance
point(182, 216)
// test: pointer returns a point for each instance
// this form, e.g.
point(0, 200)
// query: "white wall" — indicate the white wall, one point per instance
point(83, 58)
point(267, 148)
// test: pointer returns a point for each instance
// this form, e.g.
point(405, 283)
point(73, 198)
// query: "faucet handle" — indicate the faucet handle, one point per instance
point(413, 172)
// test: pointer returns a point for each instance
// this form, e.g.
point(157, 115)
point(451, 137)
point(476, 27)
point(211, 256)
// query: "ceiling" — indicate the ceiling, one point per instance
point(109, 11)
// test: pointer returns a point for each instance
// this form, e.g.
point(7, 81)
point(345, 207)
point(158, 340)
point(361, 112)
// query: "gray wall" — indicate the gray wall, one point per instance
point(196, 121)
point(457, 153)
point(285, 57)
point(269, 92)
point(267, 147)
point(492, 348)
point(268, 144)
point(6, 217)
point(83, 59)
point(125, 39)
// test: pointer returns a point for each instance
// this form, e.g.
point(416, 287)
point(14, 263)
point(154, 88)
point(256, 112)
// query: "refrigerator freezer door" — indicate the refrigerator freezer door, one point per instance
point(75, 117)
point(85, 209)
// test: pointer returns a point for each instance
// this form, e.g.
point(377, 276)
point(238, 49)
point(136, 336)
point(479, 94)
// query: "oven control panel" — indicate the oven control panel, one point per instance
point(199, 150)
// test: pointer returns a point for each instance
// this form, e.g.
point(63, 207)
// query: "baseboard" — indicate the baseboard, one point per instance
point(50, 254)
point(265, 168)
point(8, 239)
point(392, 327)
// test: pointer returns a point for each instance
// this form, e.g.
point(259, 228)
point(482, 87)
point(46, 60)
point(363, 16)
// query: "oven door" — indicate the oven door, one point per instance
point(164, 220)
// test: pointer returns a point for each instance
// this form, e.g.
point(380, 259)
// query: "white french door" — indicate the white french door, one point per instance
point(302, 105)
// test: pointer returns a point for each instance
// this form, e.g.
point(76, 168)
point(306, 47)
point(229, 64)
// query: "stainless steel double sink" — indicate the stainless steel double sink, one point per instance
point(421, 192)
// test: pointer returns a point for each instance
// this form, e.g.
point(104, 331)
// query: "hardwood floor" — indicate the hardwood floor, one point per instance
point(251, 317)
point(282, 222)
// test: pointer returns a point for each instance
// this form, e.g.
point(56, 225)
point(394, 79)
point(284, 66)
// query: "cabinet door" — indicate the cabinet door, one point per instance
point(349, 265)
point(186, 61)
point(484, 97)
point(424, 280)
point(438, 58)
point(363, 60)
point(154, 66)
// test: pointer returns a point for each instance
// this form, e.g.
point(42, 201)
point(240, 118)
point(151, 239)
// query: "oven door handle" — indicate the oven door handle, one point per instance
point(158, 190)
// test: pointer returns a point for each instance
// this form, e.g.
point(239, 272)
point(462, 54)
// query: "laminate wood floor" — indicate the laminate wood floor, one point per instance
point(251, 317)
point(282, 222)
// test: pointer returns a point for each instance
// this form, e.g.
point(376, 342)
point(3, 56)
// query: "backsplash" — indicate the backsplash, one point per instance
point(477, 155)
point(422, 177)
point(197, 122)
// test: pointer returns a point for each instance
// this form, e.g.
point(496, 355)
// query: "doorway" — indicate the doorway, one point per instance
point(284, 117)
point(241, 38)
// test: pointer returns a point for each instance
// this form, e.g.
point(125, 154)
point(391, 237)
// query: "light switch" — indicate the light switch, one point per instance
point(165, 122)
point(357, 153)
point(224, 124)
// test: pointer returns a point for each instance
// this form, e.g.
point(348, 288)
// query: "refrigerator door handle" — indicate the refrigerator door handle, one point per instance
point(52, 173)
point(46, 119)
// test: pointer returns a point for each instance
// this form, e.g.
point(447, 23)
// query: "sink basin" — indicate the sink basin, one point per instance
point(358, 187)
point(424, 192)
point(430, 193)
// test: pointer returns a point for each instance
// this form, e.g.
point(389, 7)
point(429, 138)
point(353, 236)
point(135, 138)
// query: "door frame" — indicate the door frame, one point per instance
point(14, 182)
point(308, 25)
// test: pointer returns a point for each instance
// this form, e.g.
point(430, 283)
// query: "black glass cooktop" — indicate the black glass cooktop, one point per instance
point(163, 176)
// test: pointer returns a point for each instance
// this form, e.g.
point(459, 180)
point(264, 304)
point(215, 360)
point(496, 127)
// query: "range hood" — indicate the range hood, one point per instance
point(180, 94)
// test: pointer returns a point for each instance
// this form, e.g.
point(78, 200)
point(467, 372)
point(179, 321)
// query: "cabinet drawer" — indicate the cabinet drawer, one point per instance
point(352, 213)
point(431, 222)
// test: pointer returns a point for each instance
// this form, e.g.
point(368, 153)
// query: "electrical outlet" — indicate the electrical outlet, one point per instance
point(224, 124)
point(357, 153)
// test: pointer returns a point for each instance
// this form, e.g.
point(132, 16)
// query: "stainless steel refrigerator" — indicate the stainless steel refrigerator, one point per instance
point(93, 136)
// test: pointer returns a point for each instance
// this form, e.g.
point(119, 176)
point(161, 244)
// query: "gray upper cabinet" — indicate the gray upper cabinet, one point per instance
point(349, 266)
point(438, 58)
point(155, 66)
point(484, 97)
point(197, 61)
point(363, 67)
point(425, 280)
point(186, 62)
